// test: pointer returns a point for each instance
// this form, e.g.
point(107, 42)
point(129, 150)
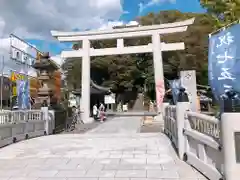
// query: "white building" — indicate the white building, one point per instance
point(13, 48)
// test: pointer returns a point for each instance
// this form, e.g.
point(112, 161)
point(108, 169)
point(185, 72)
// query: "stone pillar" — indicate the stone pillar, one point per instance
point(188, 81)
point(230, 136)
point(85, 95)
point(46, 120)
point(182, 106)
point(158, 73)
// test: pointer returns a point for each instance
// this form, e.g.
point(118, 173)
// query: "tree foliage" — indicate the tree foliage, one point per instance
point(223, 11)
point(133, 72)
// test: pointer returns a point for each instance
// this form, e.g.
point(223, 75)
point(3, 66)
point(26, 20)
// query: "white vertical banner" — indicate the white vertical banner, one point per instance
point(188, 81)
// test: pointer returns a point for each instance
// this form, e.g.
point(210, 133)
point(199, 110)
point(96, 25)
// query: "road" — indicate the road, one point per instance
point(115, 150)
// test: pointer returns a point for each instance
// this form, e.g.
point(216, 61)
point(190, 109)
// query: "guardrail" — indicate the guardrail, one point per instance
point(170, 124)
point(19, 116)
point(20, 125)
point(203, 149)
point(210, 145)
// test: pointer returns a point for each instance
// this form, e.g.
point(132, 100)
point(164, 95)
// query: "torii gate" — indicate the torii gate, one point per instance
point(156, 47)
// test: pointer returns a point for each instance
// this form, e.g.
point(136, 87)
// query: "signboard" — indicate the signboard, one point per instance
point(109, 99)
point(188, 81)
point(223, 61)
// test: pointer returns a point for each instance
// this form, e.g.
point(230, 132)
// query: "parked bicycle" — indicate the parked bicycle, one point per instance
point(76, 119)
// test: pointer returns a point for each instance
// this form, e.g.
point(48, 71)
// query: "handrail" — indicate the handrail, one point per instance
point(205, 117)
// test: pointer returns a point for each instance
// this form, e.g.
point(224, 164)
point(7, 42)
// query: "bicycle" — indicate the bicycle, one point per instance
point(76, 120)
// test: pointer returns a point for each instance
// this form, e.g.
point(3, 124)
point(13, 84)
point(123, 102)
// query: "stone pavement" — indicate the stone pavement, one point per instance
point(119, 125)
point(113, 151)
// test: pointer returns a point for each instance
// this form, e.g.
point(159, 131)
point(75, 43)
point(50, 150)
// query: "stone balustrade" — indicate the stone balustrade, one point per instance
point(209, 144)
point(20, 125)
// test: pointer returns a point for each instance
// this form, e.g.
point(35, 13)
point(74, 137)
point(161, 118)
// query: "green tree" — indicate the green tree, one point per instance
point(195, 55)
point(223, 11)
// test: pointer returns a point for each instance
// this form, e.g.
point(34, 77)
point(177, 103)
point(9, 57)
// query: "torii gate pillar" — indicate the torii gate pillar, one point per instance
point(158, 70)
point(85, 90)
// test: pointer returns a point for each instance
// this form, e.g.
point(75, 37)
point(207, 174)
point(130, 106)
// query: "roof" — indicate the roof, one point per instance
point(93, 91)
point(44, 60)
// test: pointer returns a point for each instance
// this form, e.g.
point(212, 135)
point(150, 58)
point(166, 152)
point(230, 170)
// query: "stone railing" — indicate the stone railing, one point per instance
point(20, 125)
point(170, 123)
point(205, 142)
point(19, 116)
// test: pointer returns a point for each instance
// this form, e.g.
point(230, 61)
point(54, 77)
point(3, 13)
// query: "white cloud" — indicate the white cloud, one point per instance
point(57, 59)
point(142, 6)
point(111, 24)
point(35, 19)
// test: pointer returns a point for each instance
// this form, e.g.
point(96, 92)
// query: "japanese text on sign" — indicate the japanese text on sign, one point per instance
point(223, 65)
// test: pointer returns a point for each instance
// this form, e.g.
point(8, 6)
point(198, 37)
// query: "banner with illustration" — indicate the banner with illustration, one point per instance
point(23, 97)
point(224, 61)
point(14, 78)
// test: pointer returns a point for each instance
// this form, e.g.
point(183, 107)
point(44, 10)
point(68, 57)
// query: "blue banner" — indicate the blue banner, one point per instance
point(224, 61)
point(23, 95)
point(175, 86)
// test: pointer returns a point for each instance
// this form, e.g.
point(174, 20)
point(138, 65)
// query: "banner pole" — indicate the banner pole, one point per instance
point(11, 91)
point(2, 82)
point(224, 27)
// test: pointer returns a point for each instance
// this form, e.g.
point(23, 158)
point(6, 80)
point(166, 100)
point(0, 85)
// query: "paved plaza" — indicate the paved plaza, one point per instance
point(115, 150)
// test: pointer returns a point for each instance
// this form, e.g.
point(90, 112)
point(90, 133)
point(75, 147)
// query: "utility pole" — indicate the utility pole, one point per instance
point(3, 64)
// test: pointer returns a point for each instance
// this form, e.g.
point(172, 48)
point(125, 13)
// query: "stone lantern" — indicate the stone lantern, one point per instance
point(46, 69)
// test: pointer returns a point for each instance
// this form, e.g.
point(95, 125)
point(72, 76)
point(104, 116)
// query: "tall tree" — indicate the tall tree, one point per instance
point(223, 11)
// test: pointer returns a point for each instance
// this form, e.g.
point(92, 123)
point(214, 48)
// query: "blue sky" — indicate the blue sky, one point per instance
point(132, 9)
point(132, 6)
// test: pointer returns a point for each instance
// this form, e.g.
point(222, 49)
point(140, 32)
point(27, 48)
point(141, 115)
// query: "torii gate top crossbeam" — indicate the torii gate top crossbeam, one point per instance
point(124, 32)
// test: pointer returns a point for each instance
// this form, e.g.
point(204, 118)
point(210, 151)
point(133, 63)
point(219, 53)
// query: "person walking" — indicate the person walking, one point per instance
point(102, 112)
point(95, 112)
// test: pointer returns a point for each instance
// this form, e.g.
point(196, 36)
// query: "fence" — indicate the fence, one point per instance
point(20, 125)
point(60, 120)
point(205, 142)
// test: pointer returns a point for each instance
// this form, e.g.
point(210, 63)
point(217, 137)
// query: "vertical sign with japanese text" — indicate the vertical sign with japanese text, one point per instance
point(188, 81)
point(224, 61)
